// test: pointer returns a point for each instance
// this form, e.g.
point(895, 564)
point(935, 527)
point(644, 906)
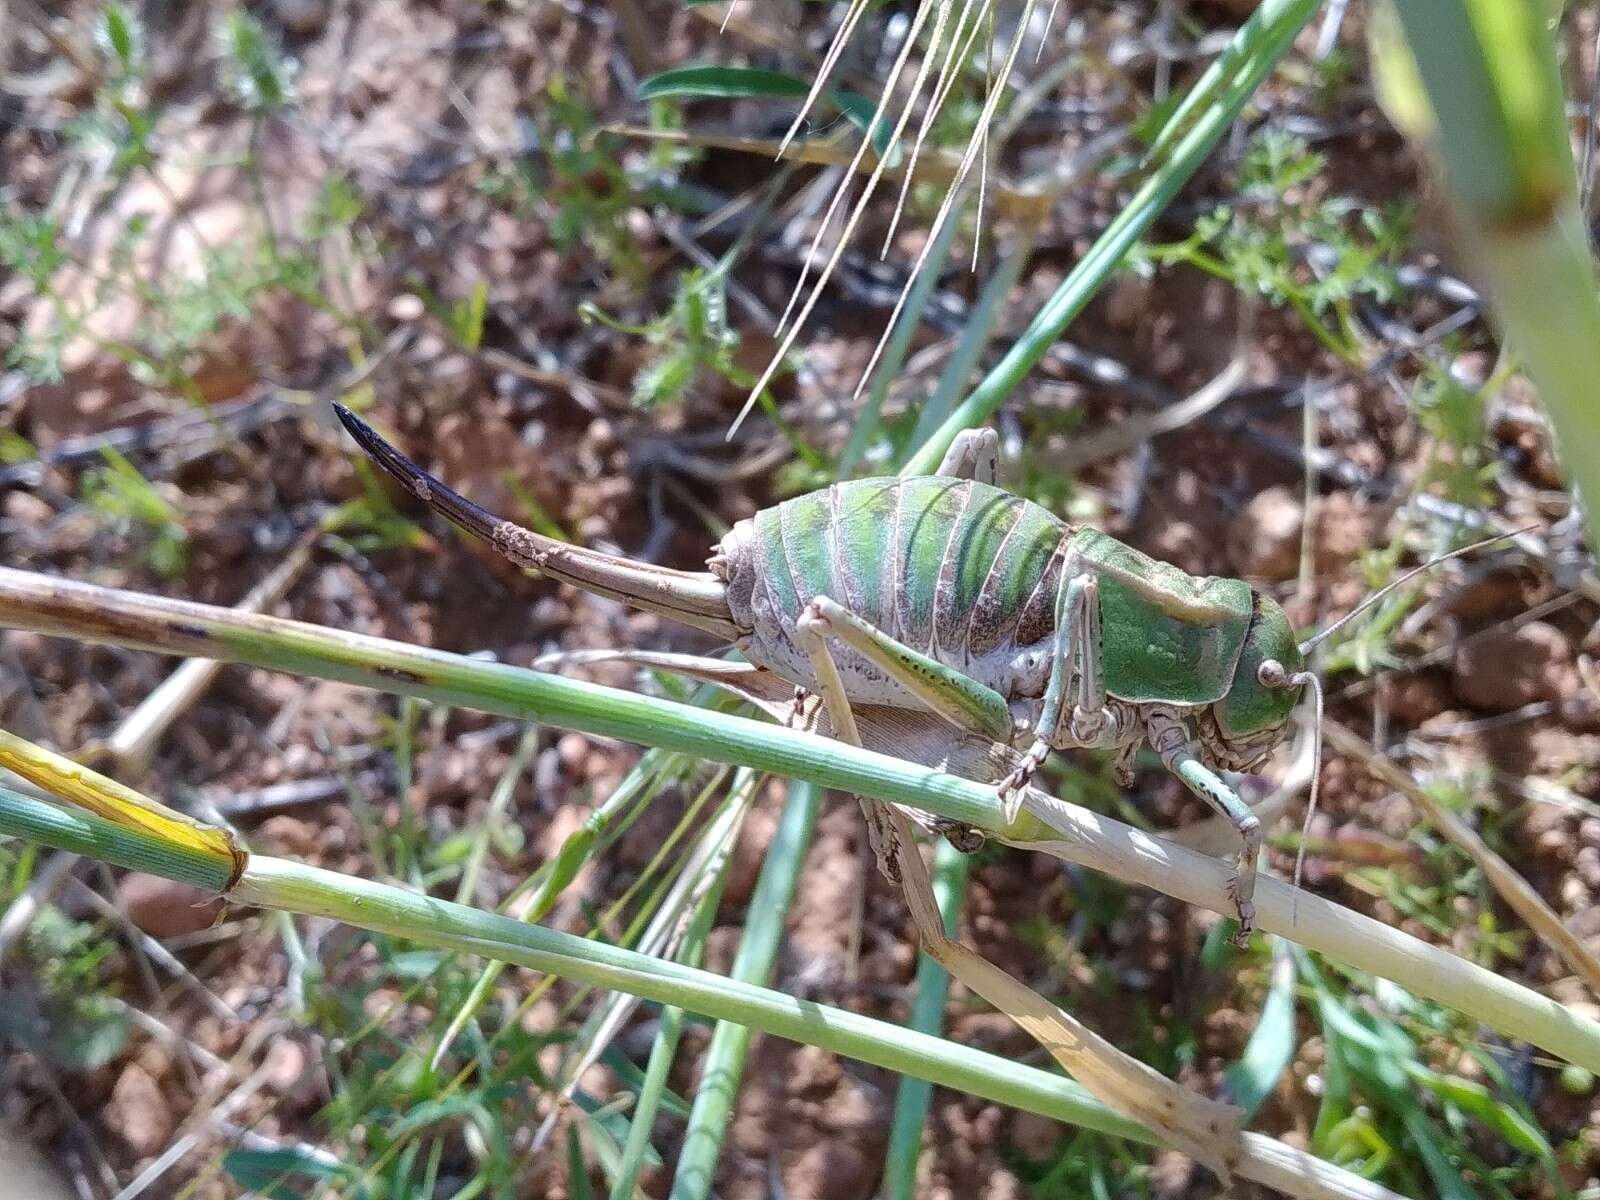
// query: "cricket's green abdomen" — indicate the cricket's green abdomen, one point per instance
point(941, 564)
point(1165, 635)
point(986, 523)
point(863, 533)
point(925, 522)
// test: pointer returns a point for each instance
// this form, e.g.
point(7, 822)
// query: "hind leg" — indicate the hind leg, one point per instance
point(958, 698)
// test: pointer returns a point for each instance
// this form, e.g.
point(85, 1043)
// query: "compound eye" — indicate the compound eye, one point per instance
point(1271, 673)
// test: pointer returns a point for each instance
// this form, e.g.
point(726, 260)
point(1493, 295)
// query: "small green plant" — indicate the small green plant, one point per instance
point(1314, 255)
point(1460, 463)
point(1390, 1109)
point(691, 337)
point(70, 1015)
point(120, 118)
point(133, 507)
point(259, 76)
point(577, 176)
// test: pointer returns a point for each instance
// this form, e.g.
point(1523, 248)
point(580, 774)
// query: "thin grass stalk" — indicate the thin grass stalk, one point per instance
point(499, 802)
point(273, 883)
point(666, 1043)
point(641, 1122)
point(974, 338)
point(139, 850)
point(1050, 826)
point(951, 869)
point(135, 737)
point(703, 868)
point(723, 1067)
point(1519, 895)
point(552, 879)
point(1256, 49)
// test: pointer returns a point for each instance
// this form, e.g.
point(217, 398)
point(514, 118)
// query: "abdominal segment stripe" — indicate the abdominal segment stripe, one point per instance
point(950, 567)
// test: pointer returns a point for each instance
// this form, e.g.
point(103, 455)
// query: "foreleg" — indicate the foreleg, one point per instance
point(1082, 717)
point(1171, 740)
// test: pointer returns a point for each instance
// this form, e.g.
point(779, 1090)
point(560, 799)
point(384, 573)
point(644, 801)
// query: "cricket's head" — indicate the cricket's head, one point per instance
point(1269, 680)
point(1243, 727)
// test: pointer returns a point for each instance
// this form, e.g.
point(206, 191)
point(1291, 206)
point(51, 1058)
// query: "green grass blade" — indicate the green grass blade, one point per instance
point(662, 1053)
point(552, 879)
point(951, 869)
point(93, 837)
point(728, 83)
point(1482, 87)
point(701, 868)
point(274, 883)
point(1273, 1041)
point(898, 345)
point(666, 1044)
point(278, 883)
point(753, 963)
point(974, 340)
point(1257, 48)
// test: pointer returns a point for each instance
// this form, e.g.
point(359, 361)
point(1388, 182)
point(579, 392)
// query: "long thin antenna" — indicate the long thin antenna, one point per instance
point(1321, 636)
point(1308, 679)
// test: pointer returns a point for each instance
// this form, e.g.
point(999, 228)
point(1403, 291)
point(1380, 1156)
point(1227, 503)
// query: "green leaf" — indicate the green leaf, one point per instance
point(466, 316)
point(577, 1171)
point(1476, 1100)
point(73, 1033)
point(1272, 1043)
point(270, 1171)
point(859, 111)
point(120, 35)
point(754, 83)
point(728, 83)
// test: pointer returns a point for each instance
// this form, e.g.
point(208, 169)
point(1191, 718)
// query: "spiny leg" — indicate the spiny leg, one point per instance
point(959, 699)
point(1171, 740)
point(1074, 651)
point(1201, 1127)
point(974, 454)
point(967, 704)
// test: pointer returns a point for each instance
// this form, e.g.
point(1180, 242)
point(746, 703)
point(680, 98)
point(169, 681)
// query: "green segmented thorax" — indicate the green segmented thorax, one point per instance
point(1165, 635)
